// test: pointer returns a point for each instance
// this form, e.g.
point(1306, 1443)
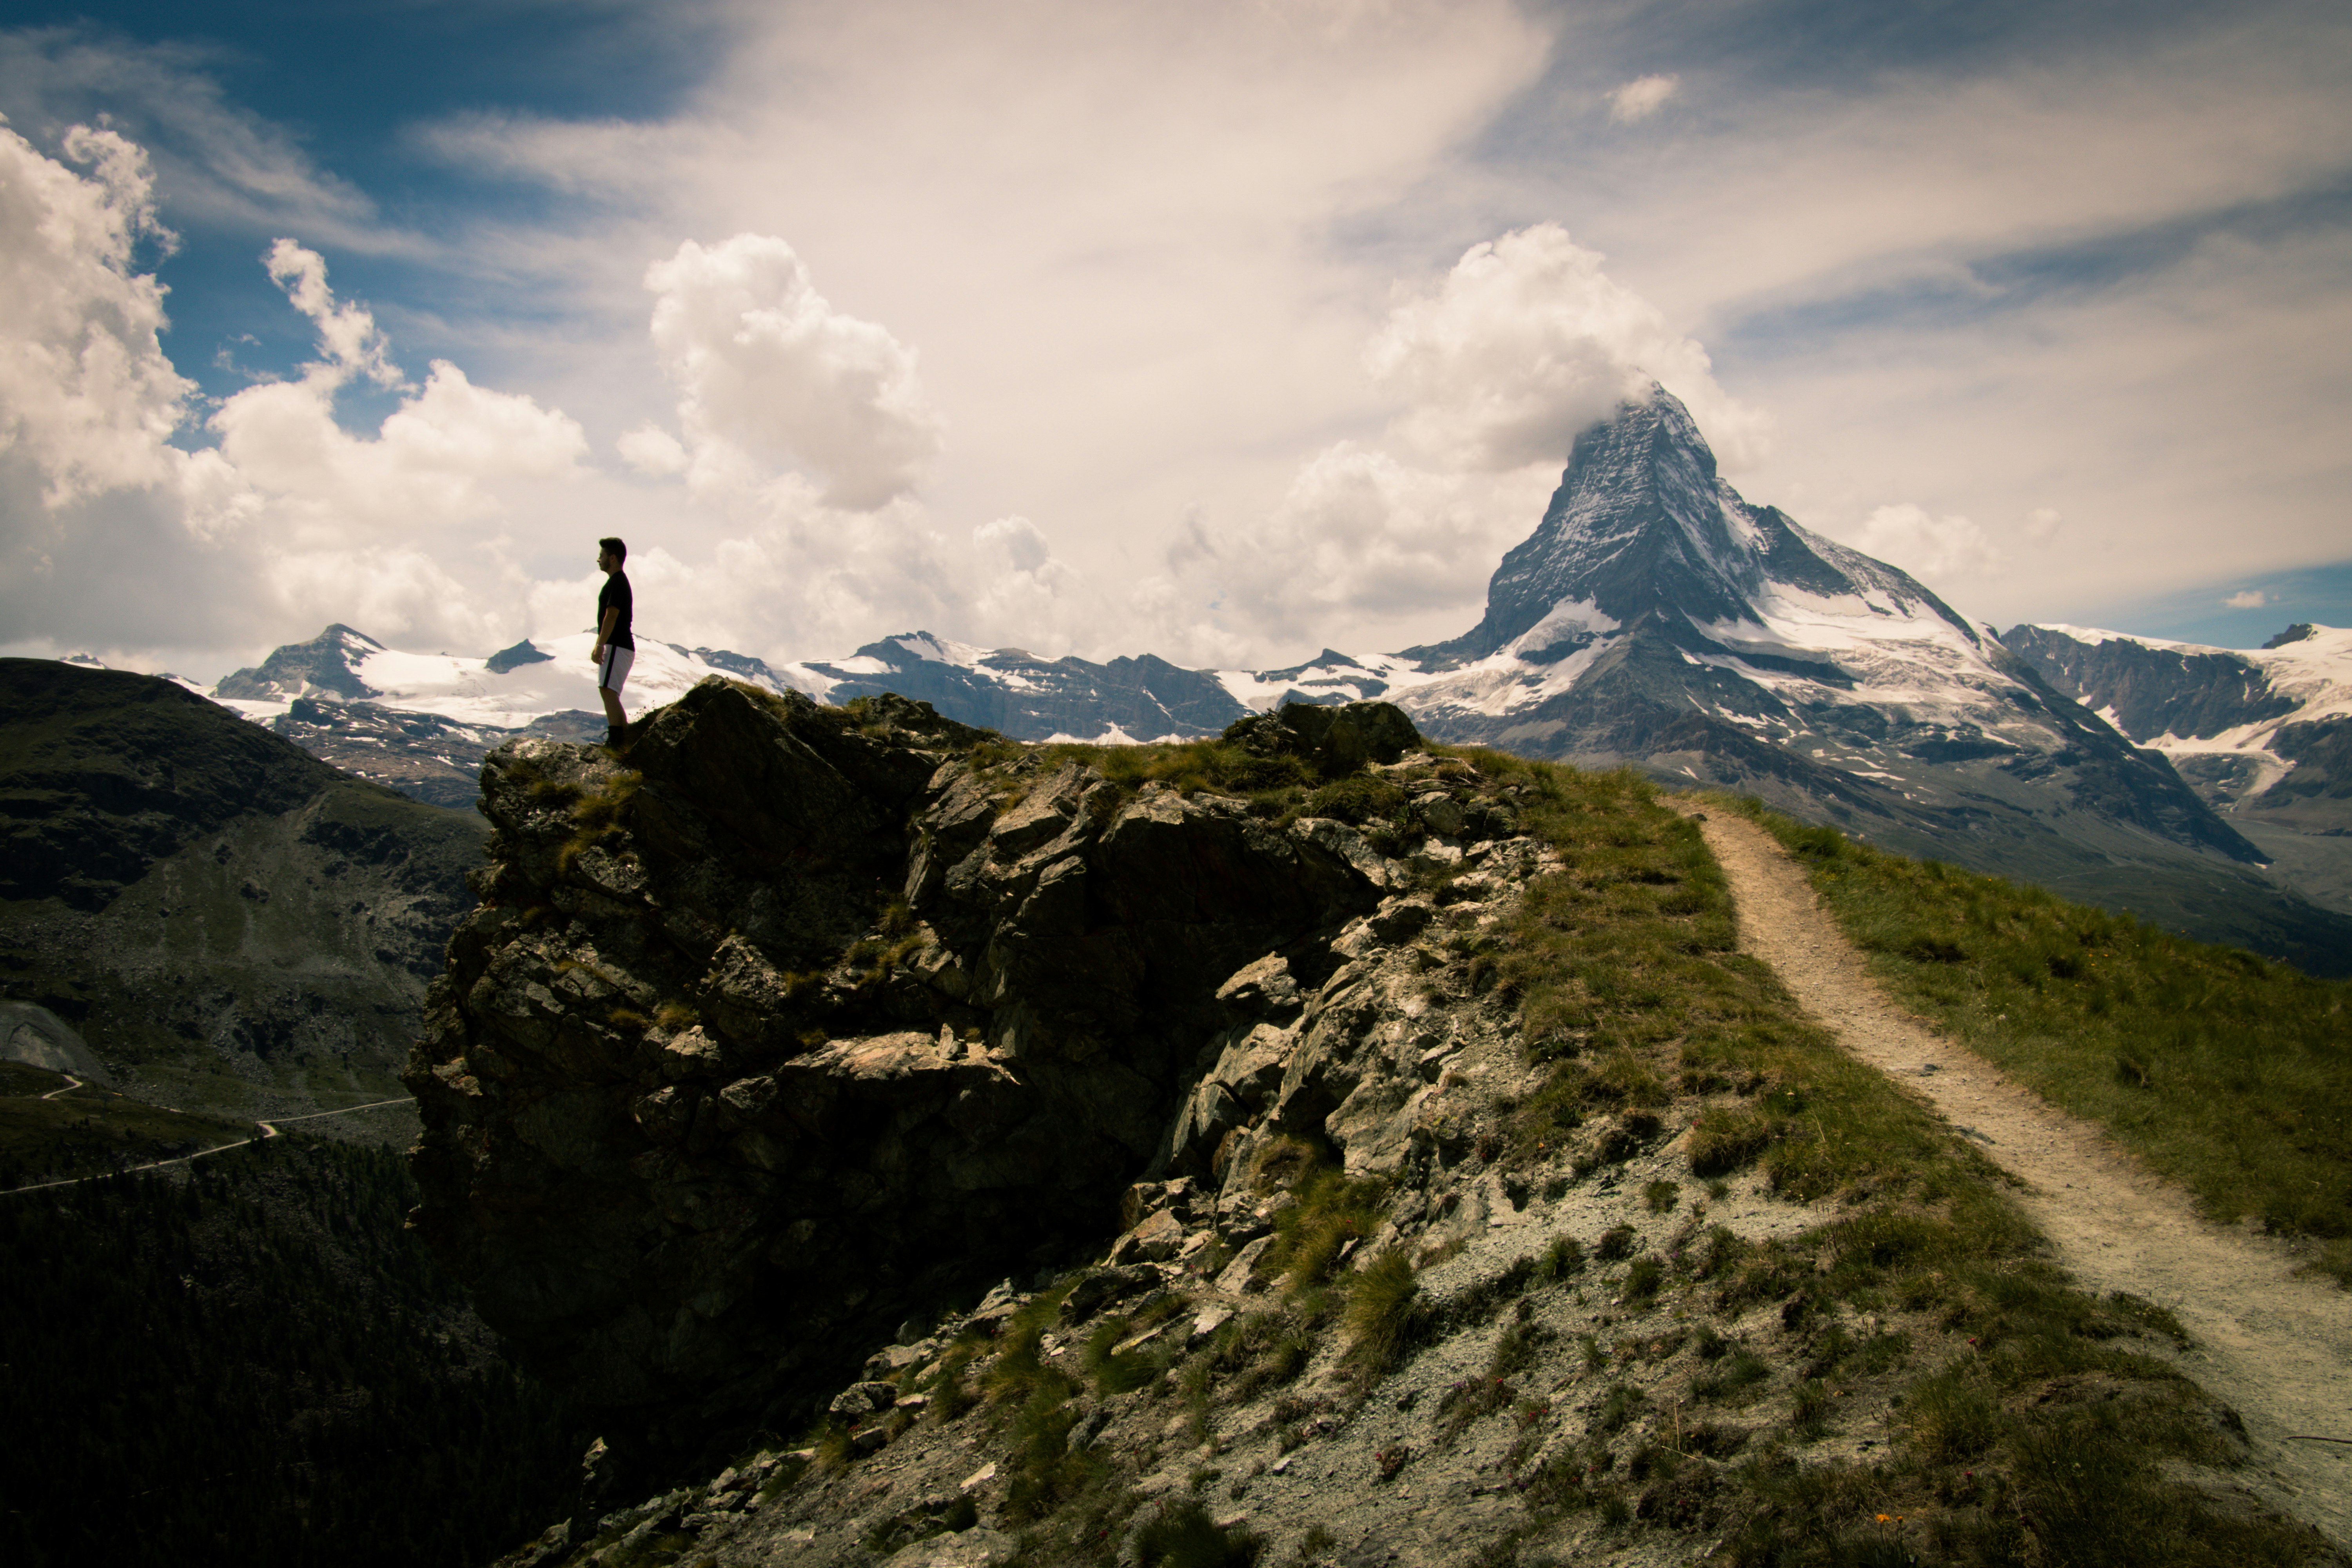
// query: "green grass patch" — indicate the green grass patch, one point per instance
point(1380, 1311)
point(1184, 1536)
point(1332, 1211)
point(1632, 998)
point(1274, 785)
point(2229, 1073)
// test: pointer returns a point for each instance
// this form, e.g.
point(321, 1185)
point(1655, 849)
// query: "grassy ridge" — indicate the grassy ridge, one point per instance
point(2229, 1073)
point(1628, 985)
point(2028, 1421)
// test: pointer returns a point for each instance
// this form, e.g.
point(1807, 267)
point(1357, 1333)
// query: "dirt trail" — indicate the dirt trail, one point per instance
point(2274, 1346)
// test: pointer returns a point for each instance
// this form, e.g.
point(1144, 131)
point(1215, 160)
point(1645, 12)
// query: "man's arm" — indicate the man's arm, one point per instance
point(604, 629)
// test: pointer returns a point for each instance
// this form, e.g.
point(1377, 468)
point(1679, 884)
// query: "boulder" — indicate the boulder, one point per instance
point(1265, 989)
point(1157, 1240)
point(1335, 740)
point(863, 1399)
point(1097, 1288)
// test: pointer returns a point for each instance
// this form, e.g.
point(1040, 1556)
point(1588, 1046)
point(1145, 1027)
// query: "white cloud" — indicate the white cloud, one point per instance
point(1362, 550)
point(303, 481)
point(2249, 599)
point(1641, 98)
point(87, 395)
point(1028, 595)
point(652, 450)
point(1933, 549)
point(1526, 343)
point(291, 520)
point(347, 332)
point(765, 365)
point(1018, 540)
point(1517, 349)
point(1122, 238)
point(2042, 526)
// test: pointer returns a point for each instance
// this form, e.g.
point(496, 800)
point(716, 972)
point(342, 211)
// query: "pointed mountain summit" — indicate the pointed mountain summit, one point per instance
point(327, 666)
point(1657, 618)
point(1642, 524)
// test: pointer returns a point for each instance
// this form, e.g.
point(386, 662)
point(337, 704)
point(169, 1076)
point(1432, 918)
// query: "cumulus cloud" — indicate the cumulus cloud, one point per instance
point(2249, 599)
point(87, 395)
point(652, 450)
point(766, 366)
point(1526, 343)
point(1360, 543)
point(437, 459)
point(290, 521)
point(1934, 549)
point(347, 332)
point(1026, 594)
point(1641, 98)
point(1522, 345)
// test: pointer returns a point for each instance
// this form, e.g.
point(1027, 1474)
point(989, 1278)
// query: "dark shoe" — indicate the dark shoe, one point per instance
point(616, 737)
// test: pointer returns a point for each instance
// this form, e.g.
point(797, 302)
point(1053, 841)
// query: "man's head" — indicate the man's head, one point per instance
point(611, 554)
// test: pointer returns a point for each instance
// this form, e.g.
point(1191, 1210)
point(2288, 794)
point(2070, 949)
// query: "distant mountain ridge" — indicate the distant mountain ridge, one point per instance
point(2268, 725)
point(2265, 736)
point(1028, 697)
point(1654, 618)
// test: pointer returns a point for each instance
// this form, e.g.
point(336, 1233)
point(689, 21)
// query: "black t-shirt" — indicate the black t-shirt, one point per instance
point(615, 595)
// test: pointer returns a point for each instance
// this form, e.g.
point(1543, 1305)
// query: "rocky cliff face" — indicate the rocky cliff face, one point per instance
point(796, 1021)
point(222, 920)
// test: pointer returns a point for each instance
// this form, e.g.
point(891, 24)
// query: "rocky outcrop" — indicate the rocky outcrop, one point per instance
point(798, 1021)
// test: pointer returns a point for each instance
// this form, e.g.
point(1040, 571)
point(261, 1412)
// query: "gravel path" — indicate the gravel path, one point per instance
point(2275, 1346)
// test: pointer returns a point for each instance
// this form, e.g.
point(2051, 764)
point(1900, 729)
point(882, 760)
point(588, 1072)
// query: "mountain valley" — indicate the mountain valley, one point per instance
point(201, 911)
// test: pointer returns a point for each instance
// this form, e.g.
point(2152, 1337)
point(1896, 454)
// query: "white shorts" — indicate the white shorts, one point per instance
point(613, 667)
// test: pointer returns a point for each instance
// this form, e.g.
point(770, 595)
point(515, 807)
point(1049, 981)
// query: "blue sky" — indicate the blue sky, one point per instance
point(1106, 328)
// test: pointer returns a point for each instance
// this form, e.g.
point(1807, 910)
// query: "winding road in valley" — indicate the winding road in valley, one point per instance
point(2275, 1345)
point(267, 1130)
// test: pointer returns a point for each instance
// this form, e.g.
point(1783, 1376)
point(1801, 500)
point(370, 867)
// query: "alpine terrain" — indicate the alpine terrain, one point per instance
point(200, 913)
point(1313, 1147)
point(1654, 618)
point(2265, 736)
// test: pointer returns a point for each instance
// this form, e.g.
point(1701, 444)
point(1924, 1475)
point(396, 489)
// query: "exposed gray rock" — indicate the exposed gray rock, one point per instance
point(705, 1116)
point(1336, 739)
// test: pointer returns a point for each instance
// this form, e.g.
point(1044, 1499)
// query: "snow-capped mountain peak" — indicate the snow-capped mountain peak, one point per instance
point(2239, 724)
point(1642, 525)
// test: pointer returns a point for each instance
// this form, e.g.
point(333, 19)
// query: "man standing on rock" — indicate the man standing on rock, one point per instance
point(615, 649)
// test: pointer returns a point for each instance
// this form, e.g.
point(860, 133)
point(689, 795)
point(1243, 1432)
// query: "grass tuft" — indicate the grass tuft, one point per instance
point(1379, 1313)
